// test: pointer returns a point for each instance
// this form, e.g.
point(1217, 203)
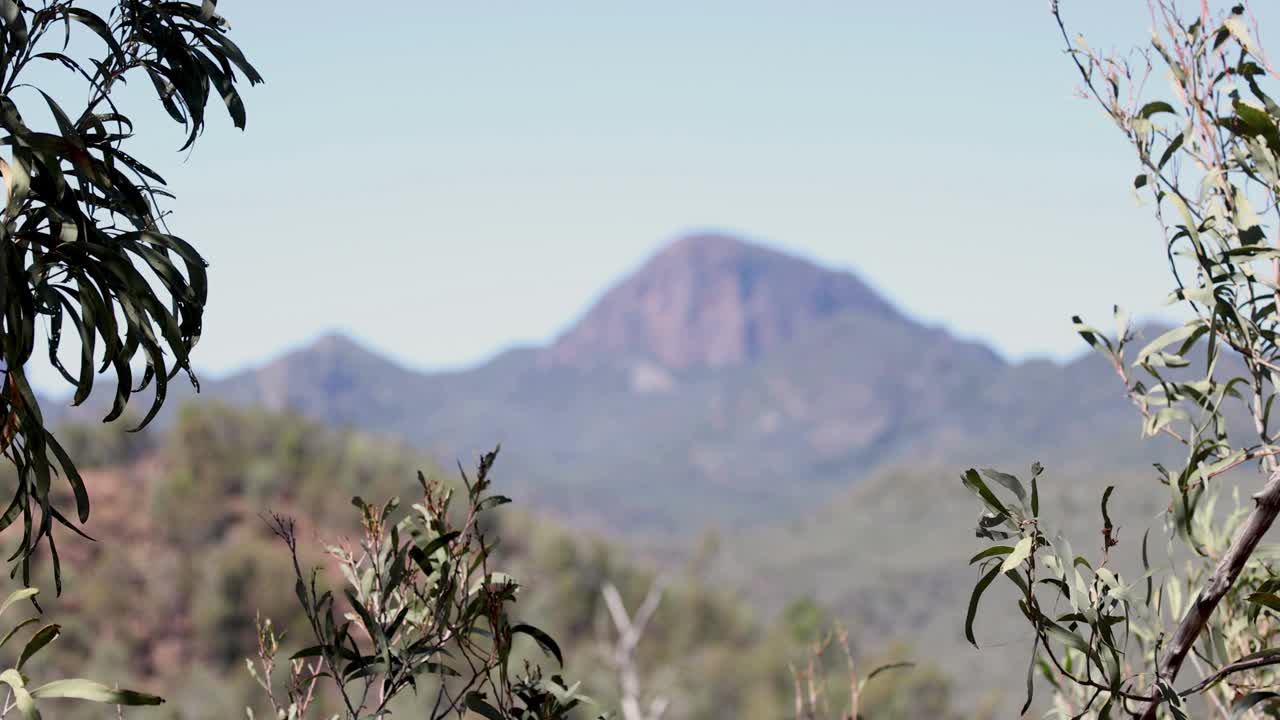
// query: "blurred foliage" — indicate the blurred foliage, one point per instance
point(175, 593)
point(239, 581)
point(97, 446)
point(21, 695)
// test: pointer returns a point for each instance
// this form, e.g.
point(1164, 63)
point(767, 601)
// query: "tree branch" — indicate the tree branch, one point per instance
point(1263, 515)
point(630, 630)
point(1233, 668)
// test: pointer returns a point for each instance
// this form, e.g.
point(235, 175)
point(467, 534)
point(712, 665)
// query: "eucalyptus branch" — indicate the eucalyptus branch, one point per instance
point(1238, 666)
point(1260, 520)
point(81, 225)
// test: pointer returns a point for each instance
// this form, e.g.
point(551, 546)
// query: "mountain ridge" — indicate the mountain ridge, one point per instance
point(790, 404)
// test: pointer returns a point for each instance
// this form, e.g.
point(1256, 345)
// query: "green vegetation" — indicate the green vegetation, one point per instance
point(83, 244)
point(855, 395)
point(84, 248)
point(423, 607)
point(1110, 642)
point(209, 574)
point(229, 540)
point(882, 558)
point(180, 590)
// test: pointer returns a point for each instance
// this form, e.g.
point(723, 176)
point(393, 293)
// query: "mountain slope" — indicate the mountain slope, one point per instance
point(723, 383)
point(183, 540)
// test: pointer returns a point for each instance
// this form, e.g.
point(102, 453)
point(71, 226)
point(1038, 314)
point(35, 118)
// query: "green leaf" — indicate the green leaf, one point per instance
point(1020, 553)
point(21, 697)
point(1252, 121)
point(43, 637)
point(430, 548)
point(492, 502)
point(1030, 678)
point(1106, 495)
point(1188, 221)
point(1168, 338)
point(1072, 640)
point(1235, 25)
point(372, 626)
point(1202, 295)
point(1154, 108)
point(1009, 482)
point(544, 640)
point(14, 22)
point(1146, 566)
point(972, 481)
point(17, 596)
point(992, 551)
point(1267, 600)
point(1172, 698)
point(1249, 700)
point(1169, 151)
point(974, 599)
point(81, 689)
point(1091, 335)
point(1036, 469)
point(309, 651)
point(90, 255)
point(477, 704)
point(888, 667)
point(1163, 417)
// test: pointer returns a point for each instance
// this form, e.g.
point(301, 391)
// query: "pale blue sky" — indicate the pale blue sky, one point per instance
point(443, 180)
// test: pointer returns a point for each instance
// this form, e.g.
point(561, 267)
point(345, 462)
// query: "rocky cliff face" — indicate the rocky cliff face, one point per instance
point(711, 301)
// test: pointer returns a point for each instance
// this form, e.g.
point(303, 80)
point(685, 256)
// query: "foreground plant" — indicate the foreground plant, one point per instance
point(421, 612)
point(83, 245)
point(22, 696)
point(1209, 153)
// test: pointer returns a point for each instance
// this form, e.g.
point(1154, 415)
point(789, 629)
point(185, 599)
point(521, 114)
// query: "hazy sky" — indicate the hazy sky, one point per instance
point(442, 180)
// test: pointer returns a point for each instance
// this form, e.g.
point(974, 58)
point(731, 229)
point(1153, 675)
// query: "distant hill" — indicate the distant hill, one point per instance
point(180, 518)
point(722, 383)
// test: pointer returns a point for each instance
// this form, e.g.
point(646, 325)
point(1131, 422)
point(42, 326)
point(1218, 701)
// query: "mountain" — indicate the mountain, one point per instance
point(712, 301)
point(723, 384)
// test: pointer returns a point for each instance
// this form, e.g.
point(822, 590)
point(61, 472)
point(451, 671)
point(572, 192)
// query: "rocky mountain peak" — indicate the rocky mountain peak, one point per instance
point(711, 300)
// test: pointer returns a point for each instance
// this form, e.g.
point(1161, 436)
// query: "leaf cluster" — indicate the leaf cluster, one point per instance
point(423, 612)
point(1083, 613)
point(1210, 159)
point(84, 249)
